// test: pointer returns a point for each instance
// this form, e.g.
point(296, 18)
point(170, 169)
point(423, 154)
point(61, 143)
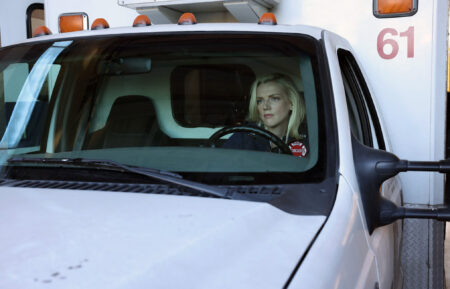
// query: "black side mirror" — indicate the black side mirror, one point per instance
point(373, 167)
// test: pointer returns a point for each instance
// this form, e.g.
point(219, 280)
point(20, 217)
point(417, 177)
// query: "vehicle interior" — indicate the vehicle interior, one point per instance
point(153, 101)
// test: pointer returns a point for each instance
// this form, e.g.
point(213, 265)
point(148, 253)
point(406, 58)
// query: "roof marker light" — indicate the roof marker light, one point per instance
point(187, 19)
point(41, 31)
point(268, 19)
point(99, 23)
point(141, 21)
point(73, 22)
point(395, 8)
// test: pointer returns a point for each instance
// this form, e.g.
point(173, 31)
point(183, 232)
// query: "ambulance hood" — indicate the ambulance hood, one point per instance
point(93, 239)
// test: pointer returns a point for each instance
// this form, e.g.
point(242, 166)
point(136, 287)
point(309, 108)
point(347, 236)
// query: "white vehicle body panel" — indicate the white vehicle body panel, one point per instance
point(381, 242)
point(94, 239)
point(13, 20)
point(414, 87)
point(340, 252)
point(201, 27)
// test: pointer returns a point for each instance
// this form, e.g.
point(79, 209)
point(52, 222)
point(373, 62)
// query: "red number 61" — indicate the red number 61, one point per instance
point(382, 42)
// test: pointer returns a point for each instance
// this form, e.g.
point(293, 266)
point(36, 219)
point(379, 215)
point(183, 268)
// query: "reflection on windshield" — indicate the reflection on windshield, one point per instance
point(28, 95)
point(156, 101)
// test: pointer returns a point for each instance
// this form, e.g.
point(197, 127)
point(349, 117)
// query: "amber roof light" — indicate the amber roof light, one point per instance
point(141, 21)
point(268, 19)
point(187, 19)
point(41, 31)
point(99, 23)
point(72, 22)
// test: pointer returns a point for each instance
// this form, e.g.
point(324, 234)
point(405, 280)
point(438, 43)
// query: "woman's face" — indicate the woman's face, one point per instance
point(274, 107)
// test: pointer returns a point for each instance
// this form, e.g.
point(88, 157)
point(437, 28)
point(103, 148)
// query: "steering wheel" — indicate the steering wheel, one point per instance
point(251, 129)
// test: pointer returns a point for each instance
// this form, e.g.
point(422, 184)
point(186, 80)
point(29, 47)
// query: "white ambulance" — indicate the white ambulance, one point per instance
point(223, 144)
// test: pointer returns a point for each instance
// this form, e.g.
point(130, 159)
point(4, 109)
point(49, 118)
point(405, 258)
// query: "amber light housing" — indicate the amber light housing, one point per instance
point(73, 22)
point(187, 19)
point(395, 8)
point(99, 23)
point(142, 21)
point(268, 19)
point(41, 31)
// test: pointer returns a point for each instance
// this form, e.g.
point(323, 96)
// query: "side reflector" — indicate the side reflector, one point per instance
point(73, 22)
point(187, 19)
point(99, 23)
point(142, 20)
point(268, 19)
point(394, 8)
point(448, 71)
point(41, 31)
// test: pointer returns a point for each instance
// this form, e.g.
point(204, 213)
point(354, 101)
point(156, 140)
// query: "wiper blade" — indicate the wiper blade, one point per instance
point(92, 163)
point(164, 176)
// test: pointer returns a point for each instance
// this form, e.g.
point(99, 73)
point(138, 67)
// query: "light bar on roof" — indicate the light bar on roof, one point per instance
point(162, 11)
point(203, 5)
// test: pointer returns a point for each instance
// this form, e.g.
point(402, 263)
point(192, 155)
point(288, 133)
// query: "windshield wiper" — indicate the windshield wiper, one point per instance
point(164, 176)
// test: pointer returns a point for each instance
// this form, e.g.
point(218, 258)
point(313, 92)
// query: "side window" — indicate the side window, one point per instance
point(35, 18)
point(364, 121)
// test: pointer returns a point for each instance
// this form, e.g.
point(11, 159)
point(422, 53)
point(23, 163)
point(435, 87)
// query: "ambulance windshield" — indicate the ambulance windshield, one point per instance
point(216, 108)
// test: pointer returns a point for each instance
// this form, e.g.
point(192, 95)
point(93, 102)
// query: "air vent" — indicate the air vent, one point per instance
point(255, 190)
point(140, 188)
point(114, 187)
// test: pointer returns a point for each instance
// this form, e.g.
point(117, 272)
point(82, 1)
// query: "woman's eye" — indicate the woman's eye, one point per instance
point(259, 101)
point(275, 99)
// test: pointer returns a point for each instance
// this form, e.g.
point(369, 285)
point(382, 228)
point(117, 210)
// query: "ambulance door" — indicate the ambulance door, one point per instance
point(353, 98)
point(18, 19)
point(365, 126)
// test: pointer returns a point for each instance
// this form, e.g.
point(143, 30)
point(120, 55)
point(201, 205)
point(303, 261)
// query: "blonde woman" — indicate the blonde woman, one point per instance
point(276, 106)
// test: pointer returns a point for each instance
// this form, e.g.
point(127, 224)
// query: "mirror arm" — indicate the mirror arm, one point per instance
point(389, 213)
point(394, 167)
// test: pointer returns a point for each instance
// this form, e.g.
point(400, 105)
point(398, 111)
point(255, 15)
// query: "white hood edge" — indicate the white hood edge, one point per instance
point(93, 239)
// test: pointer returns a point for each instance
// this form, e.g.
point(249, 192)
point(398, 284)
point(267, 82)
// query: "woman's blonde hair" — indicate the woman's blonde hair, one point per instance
point(298, 107)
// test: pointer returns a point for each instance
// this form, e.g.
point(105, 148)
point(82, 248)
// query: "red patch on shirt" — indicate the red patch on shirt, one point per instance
point(298, 149)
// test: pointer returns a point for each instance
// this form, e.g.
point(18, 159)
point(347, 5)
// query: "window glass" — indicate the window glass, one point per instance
point(364, 121)
point(35, 18)
point(20, 106)
point(156, 101)
point(372, 128)
point(356, 124)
